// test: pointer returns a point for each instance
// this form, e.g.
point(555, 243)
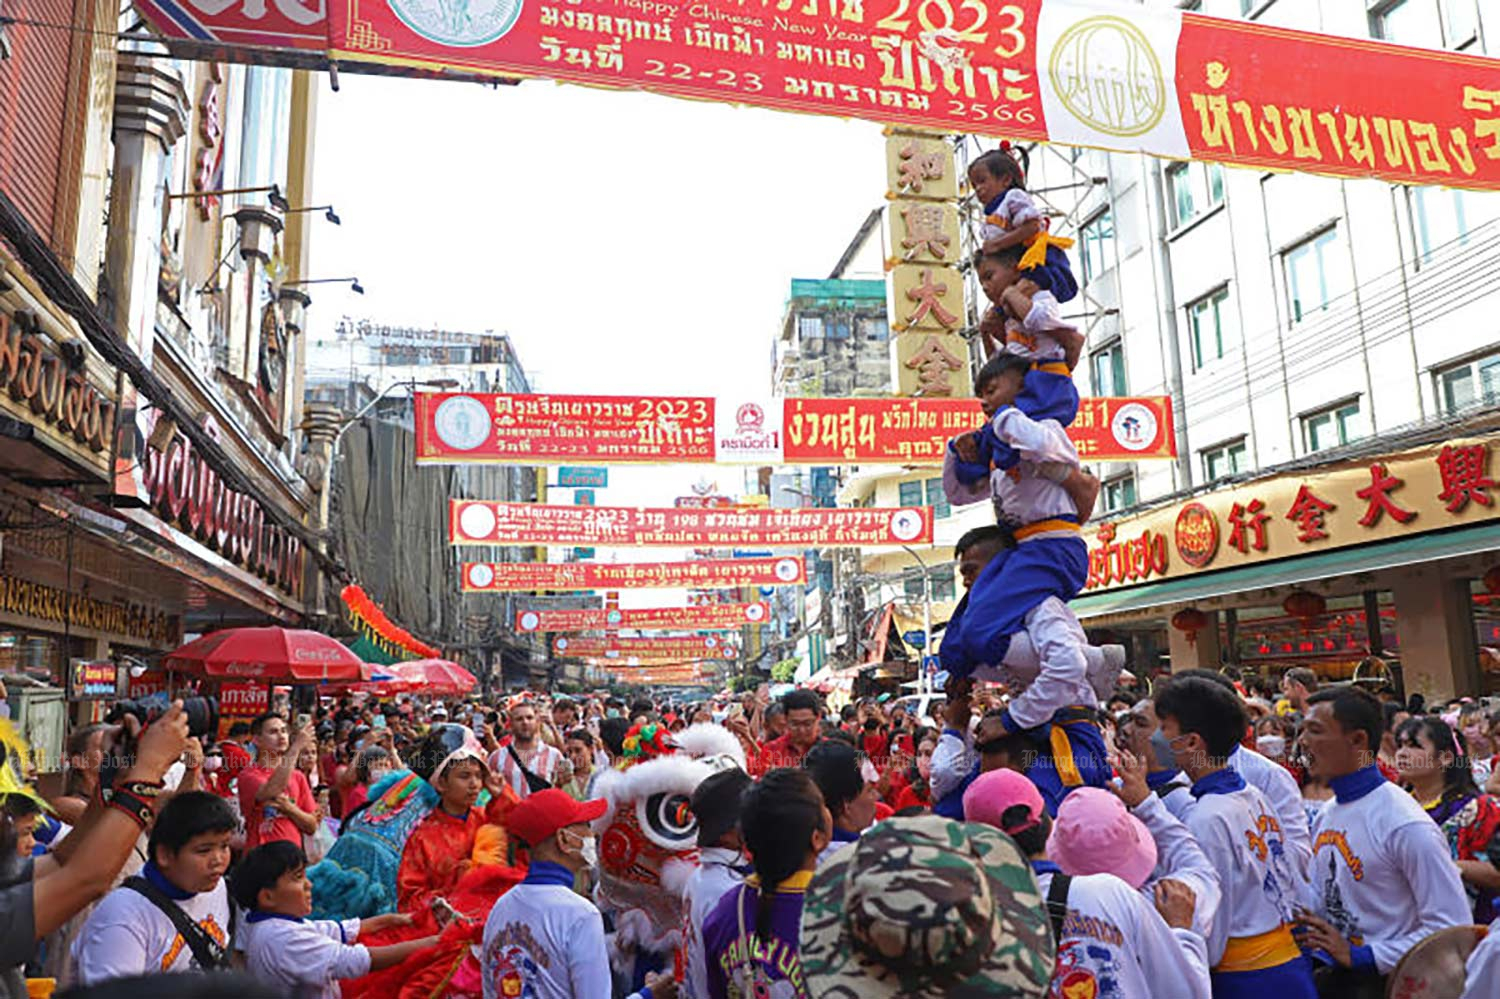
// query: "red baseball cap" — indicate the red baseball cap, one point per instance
point(543, 813)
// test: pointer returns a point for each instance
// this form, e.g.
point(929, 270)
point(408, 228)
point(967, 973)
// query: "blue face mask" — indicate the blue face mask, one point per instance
point(612, 713)
point(378, 721)
point(1162, 747)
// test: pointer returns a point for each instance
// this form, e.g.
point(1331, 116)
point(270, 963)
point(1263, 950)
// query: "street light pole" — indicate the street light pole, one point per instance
point(926, 620)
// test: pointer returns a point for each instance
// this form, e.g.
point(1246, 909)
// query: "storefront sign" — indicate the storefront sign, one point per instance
point(42, 388)
point(644, 648)
point(244, 700)
point(586, 478)
point(23, 598)
point(1155, 80)
point(152, 681)
point(1349, 503)
point(484, 522)
point(721, 616)
point(703, 574)
point(187, 492)
point(93, 680)
point(536, 429)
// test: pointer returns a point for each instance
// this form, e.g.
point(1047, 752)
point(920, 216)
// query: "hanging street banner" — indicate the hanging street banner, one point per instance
point(702, 574)
point(708, 616)
point(1115, 76)
point(697, 646)
point(454, 428)
point(487, 522)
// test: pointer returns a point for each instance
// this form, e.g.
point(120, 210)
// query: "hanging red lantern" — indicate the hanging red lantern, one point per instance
point(1492, 580)
point(1190, 621)
point(1305, 606)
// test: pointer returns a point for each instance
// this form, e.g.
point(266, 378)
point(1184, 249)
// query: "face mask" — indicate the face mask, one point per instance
point(588, 851)
point(612, 713)
point(1271, 745)
point(1162, 747)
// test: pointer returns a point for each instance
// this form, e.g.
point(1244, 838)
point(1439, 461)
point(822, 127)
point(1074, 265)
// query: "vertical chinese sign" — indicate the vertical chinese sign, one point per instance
point(929, 358)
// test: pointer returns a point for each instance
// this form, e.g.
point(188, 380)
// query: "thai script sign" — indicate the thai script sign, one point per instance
point(707, 616)
point(702, 574)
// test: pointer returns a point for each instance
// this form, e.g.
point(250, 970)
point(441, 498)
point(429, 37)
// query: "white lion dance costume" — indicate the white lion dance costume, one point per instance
point(648, 836)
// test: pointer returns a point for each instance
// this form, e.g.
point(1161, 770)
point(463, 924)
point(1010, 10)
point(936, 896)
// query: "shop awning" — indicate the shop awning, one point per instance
point(1286, 572)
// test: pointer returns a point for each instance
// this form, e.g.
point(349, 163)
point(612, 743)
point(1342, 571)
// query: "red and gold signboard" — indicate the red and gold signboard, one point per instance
point(704, 574)
point(538, 429)
point(485, 522)
point(694, 647)
point(1125, 78)
point(720, 616)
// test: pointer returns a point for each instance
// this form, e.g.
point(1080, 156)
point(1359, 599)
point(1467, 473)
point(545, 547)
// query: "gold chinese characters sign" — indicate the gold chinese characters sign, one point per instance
point(1351, 503)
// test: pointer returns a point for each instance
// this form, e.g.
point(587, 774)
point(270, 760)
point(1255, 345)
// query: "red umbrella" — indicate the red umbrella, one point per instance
point(435, 676)
point(274, 653)
point(376, 680)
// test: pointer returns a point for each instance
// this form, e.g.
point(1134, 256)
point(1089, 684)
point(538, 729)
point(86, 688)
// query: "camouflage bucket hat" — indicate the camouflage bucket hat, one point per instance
point(926, 908)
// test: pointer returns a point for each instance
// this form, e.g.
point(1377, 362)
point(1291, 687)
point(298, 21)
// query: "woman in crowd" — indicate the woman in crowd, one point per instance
point(918, 790)
point(85, 756)
point(370, 765)
point(579, 750)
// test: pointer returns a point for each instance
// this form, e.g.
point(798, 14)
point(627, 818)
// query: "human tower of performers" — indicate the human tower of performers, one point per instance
point(1048, 831)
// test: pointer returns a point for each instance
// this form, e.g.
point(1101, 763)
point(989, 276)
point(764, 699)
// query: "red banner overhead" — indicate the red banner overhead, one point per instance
point(721, 616)
point(542, 429)
point(1114, 76)
point(699, 647)
point(703, 574)
point(484, 522)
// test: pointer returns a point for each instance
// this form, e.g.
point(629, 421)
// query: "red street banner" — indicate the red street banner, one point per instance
point(703, 574)
point(540, 429)
point(1113, 76)
point(707, 616)
point(485, 522)
point(696, 647)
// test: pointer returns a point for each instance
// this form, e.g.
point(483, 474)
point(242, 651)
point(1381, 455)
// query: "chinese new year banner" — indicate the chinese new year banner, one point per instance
point(703, 574)
point(1114, 76)
point(699, 647)
point(485, 522)
point(539, 429)
point(706, 616)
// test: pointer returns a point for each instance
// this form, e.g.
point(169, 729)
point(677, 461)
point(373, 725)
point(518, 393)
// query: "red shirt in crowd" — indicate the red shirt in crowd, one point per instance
point(778, 752)
point(264, 823)
point(236, 759)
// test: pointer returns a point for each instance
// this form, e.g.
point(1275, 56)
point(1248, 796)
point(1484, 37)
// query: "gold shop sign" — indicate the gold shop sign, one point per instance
point(24, 598)
point(51, 392)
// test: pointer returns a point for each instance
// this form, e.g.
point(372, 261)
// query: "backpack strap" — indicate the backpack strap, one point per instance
point(206, 950)
point(1057, 903)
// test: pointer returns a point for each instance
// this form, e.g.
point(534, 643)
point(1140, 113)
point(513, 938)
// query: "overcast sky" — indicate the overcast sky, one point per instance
point(628, 243)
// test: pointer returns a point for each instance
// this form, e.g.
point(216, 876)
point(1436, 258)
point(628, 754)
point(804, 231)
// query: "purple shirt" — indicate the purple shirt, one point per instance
point(725, 948)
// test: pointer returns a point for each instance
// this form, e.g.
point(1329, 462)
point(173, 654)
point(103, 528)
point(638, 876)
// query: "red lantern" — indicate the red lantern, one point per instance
point(1305, 606)
point(1190, 621)
point(1492, 580)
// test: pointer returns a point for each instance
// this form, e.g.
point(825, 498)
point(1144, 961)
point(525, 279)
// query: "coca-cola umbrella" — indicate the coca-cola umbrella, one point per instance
point(375, 680)
point(435, 676)
point(272, 653)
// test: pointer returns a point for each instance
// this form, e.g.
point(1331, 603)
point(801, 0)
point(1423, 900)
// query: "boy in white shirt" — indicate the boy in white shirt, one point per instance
point(1251, 948)
point(721, 863)
point(282, 945)
point(132, 932)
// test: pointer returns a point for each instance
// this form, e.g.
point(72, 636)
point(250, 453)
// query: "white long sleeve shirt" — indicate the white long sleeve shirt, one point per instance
point(313, 953)
point(715, 876)
point(1280, 788)
point(1382, 873)
point(544, 940)
point(1021, 495)
point(952, 759)
point(1113, 934)
point(1180, 858)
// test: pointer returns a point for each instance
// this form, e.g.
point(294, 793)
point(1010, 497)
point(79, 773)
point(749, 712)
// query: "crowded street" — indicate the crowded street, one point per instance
point(493, 506)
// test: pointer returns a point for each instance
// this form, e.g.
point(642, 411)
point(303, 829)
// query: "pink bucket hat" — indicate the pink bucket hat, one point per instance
point(992, 793)
point(1096, 834)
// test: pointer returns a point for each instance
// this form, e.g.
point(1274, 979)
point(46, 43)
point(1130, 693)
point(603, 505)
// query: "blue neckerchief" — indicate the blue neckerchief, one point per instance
point(547, 872)
point(1352, 787)
point(153, 874)
point(259, 917)
point(1040, 867)
point(1161, 778)
point(993, 205)
point(1219, 782)
point(844, 835)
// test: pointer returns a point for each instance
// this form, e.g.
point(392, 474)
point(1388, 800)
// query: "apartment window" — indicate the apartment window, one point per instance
point(937, 499)
point(1460, 23)
point(1332, 427)
point(1474, 383)
point(910, 493)
point(1211, 327)
point(809, 326)
point(1433, 24)
point(1119, 493)
point(1223, 461)
point(1315, 273)
point(1438, 218)
point(1196, 188)
point(1108, 367)
point(1098, 238)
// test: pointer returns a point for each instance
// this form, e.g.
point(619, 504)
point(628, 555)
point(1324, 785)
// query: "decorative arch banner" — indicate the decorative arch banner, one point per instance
point(700, 574)
point(1116, 76)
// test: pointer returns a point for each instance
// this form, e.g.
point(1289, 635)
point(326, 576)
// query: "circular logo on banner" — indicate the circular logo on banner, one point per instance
point(750, 418)
point(1134, 426)
point(755, 612)
point(1197, 535)
point(459, 23)
point(710, 642)
point(477, 521)
point(786, 570)
point(481, 575)
point(906, 525)
point(529, 621)
point(614, 617)
point(461, 422)
point(1104, 71)
point(560, 644)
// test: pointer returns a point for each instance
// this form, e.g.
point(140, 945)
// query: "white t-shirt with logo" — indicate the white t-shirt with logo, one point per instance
point(127, 935)
point(306, 952)
point(544, 941)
